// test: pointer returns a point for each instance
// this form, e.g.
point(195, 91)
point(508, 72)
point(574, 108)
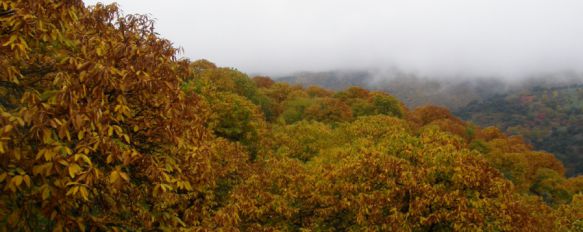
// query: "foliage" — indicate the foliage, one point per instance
point(548, 118)
point(263, 81)
point(295, 109)
point(101, 135)
point(386, 104)
point(302, 140)
point(103, 128)
point(237, 119)
point(328, 110)
point(316, 91)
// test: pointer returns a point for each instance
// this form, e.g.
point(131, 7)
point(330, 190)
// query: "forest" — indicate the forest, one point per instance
point(103, 127)
point(545, 110)
point(550, 119)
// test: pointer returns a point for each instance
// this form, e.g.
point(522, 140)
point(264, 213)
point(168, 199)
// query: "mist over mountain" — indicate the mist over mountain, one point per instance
point(511, 39)
point(417, 90)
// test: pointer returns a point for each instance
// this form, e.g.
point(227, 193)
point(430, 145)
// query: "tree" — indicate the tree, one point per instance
point(328, 110)
point(353, 92)
point(263, 81)
point(302, 140)
point(294, 109)
point(386, 104)
point(427, 114)
point(101, 129)
point(237, 119)
point(316, 91)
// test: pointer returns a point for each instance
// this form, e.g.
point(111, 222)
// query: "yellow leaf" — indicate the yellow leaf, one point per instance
point(73, 169)
point(68, 135)
point(47, 135)
point(136, 128)
point(124, 176)
point(166, 187)
point(3, 177)
point(49, 154)
point(188, 186)
point(166, 177)
point(46, 193)
point(8, 128)
point(11, 40)
point(109, 159)
point(84, 193)
point(27, 180)
point(70, 192)
point(80, 135)
point(114, 176)
point(17, 180)
point(86, 159)
point(68, 150)
point(82, 75)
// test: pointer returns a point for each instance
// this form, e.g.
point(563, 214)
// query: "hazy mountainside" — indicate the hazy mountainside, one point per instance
point(104, 128)
point(545, 109)
point(334, 80)
point(550, 118)
point(414, 90)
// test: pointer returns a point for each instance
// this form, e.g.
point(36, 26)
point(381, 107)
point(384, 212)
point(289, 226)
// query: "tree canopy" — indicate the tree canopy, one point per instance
point(102, 127)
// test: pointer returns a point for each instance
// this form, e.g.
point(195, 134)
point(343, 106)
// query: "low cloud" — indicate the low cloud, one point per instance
point(510, 38)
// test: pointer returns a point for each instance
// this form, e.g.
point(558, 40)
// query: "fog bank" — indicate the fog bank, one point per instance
point(509, 38)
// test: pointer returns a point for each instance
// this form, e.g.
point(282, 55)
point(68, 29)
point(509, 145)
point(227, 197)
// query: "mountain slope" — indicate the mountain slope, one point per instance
point(103, 128)
point(549, 118)
point(413, 90)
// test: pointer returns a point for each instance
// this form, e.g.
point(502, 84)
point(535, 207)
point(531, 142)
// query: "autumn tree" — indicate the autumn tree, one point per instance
point(98, 128)
point(427, 114)
point(238, 119)
point(353, 92)
point(302, 140)
point(294, 109)
point(328, 110)
point(263, 81)
point(316, 91)
point(387, 105)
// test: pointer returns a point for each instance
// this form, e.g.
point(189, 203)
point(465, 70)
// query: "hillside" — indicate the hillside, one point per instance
point(545, 109)
point(414, 90)
point(104, 128)
point(549, 118)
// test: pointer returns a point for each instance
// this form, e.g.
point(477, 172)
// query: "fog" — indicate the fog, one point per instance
point(509, 38)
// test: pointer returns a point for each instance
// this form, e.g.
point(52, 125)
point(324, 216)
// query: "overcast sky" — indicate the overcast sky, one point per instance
point(277, 37)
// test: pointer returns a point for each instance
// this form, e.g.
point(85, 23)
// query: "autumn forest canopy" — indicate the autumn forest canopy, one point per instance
point(103, 127)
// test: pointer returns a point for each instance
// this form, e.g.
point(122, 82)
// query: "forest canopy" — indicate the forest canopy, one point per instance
point(103, 127)
point(549, 118)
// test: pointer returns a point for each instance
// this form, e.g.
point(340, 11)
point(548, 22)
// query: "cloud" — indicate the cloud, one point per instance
point(445, 37)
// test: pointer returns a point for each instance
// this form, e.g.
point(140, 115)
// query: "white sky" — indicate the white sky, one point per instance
point(276, 37)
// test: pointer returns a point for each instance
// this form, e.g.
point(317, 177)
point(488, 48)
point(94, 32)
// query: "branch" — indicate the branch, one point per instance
point(8, 12)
